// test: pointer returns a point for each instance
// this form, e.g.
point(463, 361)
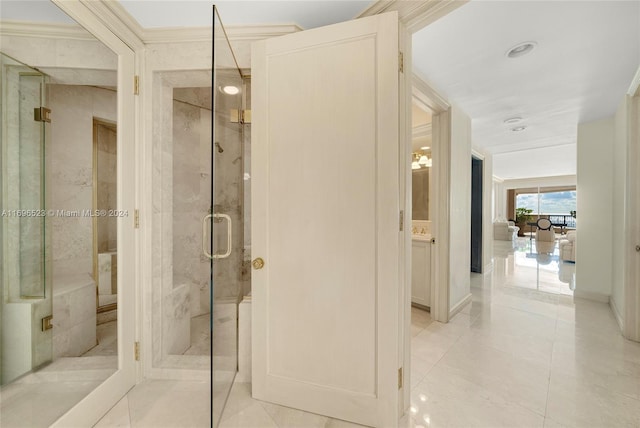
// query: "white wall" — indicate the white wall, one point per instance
point(460, 208)
point(499, 194)
point(487, 217)
point(595, 209)
point(620, 142)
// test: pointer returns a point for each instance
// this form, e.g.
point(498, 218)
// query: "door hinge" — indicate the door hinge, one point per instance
point(401, 220)
point(240, 116)
point(400, 378)
point(136, 85)
point(136, 218)
point(401, 61)
point(136, 351)
point(42, 114)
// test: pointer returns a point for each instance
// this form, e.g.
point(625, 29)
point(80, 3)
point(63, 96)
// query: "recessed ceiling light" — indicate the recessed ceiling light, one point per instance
point(512, 120)
point(425, 148)
point(521, 49)
point(230, 90)
point(519, 128)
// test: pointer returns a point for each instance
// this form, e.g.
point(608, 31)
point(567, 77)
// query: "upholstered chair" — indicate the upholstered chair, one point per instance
point(568, 247)
point(505, 231)
point(545, 236)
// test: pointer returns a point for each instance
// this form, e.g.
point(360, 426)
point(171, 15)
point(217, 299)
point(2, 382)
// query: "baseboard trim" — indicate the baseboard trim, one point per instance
point(617, 314)
point(460, 305)
point(588, 295)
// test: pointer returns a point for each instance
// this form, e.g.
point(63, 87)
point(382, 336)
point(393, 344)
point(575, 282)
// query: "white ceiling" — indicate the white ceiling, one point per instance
point(587, 54)
point(305, 13)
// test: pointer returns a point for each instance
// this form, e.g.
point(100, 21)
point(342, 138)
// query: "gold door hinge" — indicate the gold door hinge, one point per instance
point(401, 61)
point(47, 323)
point(136, 219)
point(400, 378)
point(401, 221)
point(136, 85)
point(42, 114)
point(240, 116)
point(136, 351)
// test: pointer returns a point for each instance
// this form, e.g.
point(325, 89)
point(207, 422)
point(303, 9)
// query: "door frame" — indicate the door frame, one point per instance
point(94, 17)
point(426, 97)
point(631, 325)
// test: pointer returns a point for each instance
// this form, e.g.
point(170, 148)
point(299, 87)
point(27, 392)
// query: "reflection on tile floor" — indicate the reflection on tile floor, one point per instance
point(521, 264)
point(39, 398)
point(517, 356)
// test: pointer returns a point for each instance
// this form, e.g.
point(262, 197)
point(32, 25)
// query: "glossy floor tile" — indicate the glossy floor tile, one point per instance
point(524, 353)
point(39, 398)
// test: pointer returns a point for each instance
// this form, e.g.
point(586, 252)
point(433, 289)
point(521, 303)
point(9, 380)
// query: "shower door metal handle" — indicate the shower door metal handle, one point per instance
point(204, 236)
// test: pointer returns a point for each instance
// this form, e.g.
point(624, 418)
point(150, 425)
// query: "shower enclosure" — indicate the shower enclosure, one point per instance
point(198, 220)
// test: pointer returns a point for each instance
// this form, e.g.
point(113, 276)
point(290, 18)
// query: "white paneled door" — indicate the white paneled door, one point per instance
point(325, 221)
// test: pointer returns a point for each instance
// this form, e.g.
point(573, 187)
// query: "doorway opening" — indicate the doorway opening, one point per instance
point(421, 232)
point(477, 168)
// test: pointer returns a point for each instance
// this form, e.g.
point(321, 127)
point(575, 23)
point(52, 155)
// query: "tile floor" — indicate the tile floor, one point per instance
point(520, 355)
point(60, 384)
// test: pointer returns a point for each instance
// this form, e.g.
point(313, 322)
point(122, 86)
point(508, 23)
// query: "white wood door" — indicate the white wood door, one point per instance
point(325, 220)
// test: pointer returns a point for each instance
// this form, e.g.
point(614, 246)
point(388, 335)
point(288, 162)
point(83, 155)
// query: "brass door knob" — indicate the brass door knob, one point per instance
point(258, 263)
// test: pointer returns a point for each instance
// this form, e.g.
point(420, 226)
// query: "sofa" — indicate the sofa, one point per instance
point(568, 247)
point(505, 230)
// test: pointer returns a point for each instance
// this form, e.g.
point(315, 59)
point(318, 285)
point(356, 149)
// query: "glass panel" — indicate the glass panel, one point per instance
point(228, 200)
point(31, 187)
point(56, 343)
point(26, 291)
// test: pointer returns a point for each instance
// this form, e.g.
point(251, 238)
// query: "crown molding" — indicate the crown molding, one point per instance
point(117, 19)
point(116, 10)
point(44, 30)
point(423, 92)
point(203, 34)
point(415, 15)
point(138, 37)
point(422, 131)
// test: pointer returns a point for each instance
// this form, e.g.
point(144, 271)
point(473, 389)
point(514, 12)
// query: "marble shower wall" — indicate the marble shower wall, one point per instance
point(229, 192)
point(191, 193)
point(70, 172)
point(181, 198)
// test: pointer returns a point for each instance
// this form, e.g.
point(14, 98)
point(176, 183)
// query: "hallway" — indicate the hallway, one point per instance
point(515, 357)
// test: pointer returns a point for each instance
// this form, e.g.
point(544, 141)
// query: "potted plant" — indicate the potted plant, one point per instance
point(523, 216)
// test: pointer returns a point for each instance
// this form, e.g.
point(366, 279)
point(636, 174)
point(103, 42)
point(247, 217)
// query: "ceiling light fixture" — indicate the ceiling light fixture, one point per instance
point(512, 120)
point(421, 160)
point(425, 148)
point(230, 90)
point(518, 128)
point(521, 49)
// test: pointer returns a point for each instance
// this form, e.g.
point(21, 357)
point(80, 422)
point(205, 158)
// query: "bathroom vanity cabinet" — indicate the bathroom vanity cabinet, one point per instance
point(421, 270)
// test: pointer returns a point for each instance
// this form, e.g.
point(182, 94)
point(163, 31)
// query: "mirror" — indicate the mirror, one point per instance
point(59, 84)
point(421, 162)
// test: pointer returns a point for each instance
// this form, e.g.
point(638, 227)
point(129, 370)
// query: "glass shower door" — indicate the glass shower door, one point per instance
point(26, 304)
point(224, 244)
